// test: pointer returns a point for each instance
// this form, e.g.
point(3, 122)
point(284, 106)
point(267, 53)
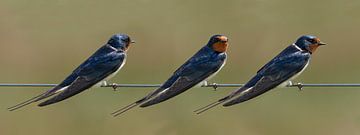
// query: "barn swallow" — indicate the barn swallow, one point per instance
point(291, 62)
point(96, 70)
point(200, 67)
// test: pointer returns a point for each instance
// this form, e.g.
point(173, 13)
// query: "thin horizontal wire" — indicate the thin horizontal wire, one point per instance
point(26, 85)
point(213, 85)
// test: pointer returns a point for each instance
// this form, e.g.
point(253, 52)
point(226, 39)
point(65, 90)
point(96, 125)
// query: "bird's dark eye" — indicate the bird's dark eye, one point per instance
point(126, 39)
point(311, 40)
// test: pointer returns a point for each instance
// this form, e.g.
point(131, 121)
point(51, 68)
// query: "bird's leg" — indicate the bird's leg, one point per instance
point(106, 84)
point(298, 85)
point(102, 84)
point(204, 84)
point(289, 84)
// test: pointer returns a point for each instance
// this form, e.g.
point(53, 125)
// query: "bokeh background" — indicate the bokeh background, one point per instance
point(43, 41)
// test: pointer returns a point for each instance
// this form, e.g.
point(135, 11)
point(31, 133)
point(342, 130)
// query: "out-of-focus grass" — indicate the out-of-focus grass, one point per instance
point(42, 41)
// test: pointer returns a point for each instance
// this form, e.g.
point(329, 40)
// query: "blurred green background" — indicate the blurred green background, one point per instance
point(43, 41)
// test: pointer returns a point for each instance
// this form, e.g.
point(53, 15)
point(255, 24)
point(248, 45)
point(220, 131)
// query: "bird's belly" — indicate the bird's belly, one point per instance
point(284, 84)
point(113, 74)
point(296, 75)
point(204, 82)
point(103, 82)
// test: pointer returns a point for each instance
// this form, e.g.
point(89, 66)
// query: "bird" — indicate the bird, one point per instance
point(199, 68)
point(287, 65)
point(95, 71)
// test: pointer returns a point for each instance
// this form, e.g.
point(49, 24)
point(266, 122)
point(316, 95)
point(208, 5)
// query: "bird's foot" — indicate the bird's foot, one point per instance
point(114, 86)
point(214, 86)
point(300, 86)
point(206, 84)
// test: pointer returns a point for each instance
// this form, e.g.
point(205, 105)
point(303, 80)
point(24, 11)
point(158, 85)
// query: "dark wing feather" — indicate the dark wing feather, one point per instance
point(273, 75)
point(190, 76)
point(78, 86)
point(193, 71)
point(90, 74)
point(84, 68)
point(273, 70)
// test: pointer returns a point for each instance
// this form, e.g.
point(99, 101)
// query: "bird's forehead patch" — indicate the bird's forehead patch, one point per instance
point(222, 38)
point(317, 40)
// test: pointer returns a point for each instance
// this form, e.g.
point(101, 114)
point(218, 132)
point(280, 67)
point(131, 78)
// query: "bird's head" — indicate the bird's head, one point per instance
point(120, 41)
point(309, 43)
point(219, 43)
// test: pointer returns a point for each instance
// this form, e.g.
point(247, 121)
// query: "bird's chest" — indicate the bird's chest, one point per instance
point(104, 81)
point(285, 83)
point(223, 60)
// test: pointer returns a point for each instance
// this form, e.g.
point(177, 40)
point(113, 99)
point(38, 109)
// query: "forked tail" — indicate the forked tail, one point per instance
point(209, 106)
point(128, 107)
point(27, 102)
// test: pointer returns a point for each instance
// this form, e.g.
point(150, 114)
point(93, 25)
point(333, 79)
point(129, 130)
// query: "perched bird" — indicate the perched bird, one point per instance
point(200, 67)
point(284, 67)
point(96, 70)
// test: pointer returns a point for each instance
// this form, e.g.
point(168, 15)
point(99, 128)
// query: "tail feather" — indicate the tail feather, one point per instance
point(128, 107)
point(163, 96)
point(124, 109)
point(211, 105)
point(53, 100)
point(220, 101)
point(44, 95)
point(246, 95)
point(27, 102)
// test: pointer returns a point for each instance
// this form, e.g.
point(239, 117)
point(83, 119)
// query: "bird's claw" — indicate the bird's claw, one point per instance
point(300, 86)
point(215, 86)
point(114, 86)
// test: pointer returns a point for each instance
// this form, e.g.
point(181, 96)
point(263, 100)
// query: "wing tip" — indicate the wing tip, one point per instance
point(227, 104)
point(146, 104)
point(45, 103)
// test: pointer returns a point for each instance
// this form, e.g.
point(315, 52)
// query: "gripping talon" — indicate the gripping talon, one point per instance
point(215, 86)
point(300, 86)
point(114, 86)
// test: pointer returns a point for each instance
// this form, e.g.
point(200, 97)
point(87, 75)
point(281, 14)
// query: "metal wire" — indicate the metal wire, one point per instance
point(212, 85)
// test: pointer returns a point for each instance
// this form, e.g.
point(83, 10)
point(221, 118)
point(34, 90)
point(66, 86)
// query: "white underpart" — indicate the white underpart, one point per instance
point(297, 47)
point(112, 47)
point(161, 92)
point(287, 82)
point(201, 83)
point(211, 76)
point(62, 89)
point(241, 93)
point(104, 81)
point(245, 91)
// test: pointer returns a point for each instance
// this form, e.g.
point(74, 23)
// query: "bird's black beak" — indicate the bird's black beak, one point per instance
point(321, 43)
point(132, 41)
